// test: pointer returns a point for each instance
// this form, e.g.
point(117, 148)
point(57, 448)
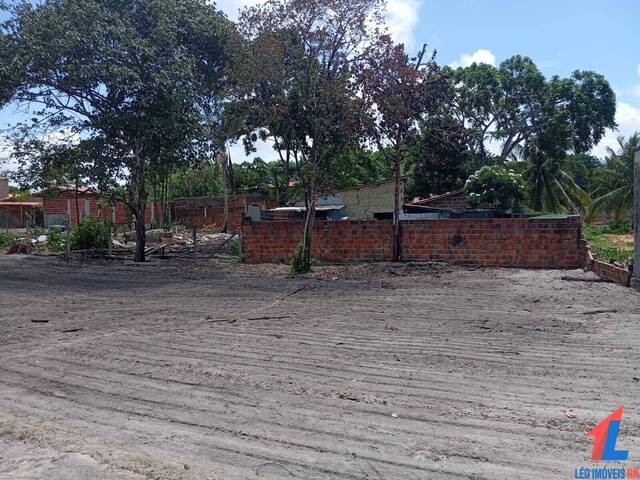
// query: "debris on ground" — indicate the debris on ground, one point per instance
point(20, 249)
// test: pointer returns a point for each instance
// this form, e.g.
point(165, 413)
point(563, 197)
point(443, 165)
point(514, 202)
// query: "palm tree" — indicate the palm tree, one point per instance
point(550, 187)
point(613, 183)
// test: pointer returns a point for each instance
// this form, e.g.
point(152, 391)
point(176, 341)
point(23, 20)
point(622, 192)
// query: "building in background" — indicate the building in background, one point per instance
point(18, 212)
point(366, 201)
point(209, 211)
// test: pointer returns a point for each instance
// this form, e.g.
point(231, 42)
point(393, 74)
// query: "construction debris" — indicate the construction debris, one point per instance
point(20, 249)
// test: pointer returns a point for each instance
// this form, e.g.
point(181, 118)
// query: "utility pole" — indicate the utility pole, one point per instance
point(635, 279)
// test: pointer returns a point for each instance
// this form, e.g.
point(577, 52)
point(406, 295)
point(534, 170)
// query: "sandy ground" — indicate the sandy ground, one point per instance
point(373, 372)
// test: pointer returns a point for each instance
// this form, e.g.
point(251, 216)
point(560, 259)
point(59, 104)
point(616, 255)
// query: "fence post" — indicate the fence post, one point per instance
point(68, 229)
point(635, 279)
point(194, 233)
point(109, 239)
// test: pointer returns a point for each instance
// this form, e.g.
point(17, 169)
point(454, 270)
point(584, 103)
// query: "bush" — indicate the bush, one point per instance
point(7, 239)
point(497, 187)
point(233, 248)
point(56, 242)
point(300, 263)
point(90, 234)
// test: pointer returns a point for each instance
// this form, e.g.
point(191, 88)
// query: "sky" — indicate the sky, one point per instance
point(561, 36)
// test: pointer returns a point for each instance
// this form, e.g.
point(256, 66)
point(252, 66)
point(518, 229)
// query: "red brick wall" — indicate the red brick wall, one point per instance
point(192, 215)
point(58, 205)
point(548, 243)
point(612, 273)
point(621, 276)
point(500, 242)
point(333, 241)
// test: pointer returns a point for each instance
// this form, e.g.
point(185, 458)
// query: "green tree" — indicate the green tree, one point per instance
point(256, 176)
point(136, 78)
point(513, 103)
point(581, 167)
point(613, 183)
point(497, 186)
point(550, 188)
point(396, 91)
point(311, 105)
point(439, 158)
point(348, 166)
point(201, 179)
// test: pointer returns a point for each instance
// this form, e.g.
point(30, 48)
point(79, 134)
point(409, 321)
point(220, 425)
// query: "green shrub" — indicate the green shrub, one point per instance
point(7, 239)
point(300, 263)
point(56, 241)
point(91, 233)
point(497, 187)
point(233, 247)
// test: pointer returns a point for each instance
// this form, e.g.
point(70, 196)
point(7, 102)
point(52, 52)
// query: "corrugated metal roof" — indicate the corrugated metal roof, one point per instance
point(426, 201)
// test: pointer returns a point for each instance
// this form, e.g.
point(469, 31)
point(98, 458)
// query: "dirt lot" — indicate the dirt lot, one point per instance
point(371, 372)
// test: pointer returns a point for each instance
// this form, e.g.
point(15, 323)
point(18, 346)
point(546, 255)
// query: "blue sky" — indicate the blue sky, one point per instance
point(560, 36)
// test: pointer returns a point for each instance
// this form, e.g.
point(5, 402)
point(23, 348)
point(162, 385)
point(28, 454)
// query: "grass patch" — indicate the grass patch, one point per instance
point(611, 242)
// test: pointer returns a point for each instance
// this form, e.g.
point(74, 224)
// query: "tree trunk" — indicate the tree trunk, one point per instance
point(396, 211)
point(138, 191)
point(223, 162)
point(140, 236)
point(287, 177)
point(308, 224)
point(77, 204)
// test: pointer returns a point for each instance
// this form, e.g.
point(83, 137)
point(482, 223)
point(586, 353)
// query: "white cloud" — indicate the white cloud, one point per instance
point(402, 18)
point(628, 119)
point(481, 55)
point(233, 7)
point(6, 163)
point(264, 150)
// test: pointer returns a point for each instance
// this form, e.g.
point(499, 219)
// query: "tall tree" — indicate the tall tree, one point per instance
point(317, 43)
point(137, 77)
point(512, 103)
point(613, 192)
point(396, 90)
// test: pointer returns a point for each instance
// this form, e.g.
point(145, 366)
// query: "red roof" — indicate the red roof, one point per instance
point(18, 203)
point(28, 202)
point(68, 188)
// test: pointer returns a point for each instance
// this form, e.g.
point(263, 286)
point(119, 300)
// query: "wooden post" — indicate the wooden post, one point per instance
point(194, 233)
point(68, 229)
point(109, 240)
point(635, 279)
